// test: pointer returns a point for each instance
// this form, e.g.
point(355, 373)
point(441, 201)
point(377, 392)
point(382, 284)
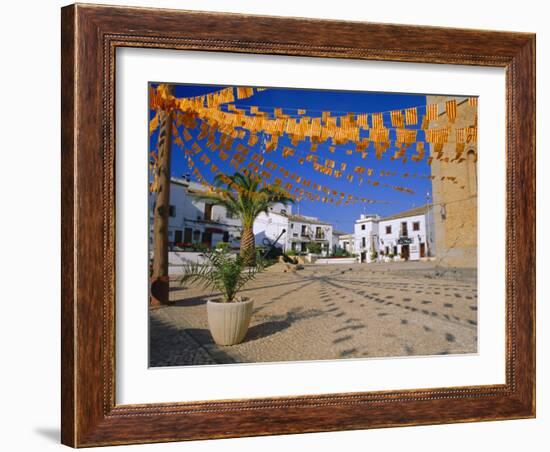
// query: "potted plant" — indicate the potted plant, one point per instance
point(229, 315)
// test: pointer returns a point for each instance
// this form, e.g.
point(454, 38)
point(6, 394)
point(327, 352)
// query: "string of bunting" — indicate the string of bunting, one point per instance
point(239, 163)
point(330, 167)
point(236, 124)
point(339, 129)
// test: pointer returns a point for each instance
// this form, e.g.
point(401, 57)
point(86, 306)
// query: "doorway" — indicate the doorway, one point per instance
point(405, 252)
point(422, 250)
point(207, 239)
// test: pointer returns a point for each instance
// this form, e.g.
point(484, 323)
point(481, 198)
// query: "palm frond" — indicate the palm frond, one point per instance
point(222, 272)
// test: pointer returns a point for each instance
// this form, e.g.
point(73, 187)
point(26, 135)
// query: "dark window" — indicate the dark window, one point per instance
point(303, 229)
point(172, 211)
point(229, 215)
point(388, 229)
point(208, 212)
point(395, 251)
point(362, 227)
point(178, 237)
point(226, 236)
point(416, 226)
point(188, 235)
point(363, 242)
point(196, 235)
point(404, 230)
point(318, 232)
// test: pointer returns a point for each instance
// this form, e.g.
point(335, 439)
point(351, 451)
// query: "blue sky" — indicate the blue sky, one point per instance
point(339, 103)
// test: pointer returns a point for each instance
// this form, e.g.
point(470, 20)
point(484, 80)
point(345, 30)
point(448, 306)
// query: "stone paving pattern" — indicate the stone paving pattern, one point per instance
point(327, 312)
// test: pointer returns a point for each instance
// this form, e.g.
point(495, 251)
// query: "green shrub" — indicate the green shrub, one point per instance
point(340, 252)
point(314, 248)
point(222, 246)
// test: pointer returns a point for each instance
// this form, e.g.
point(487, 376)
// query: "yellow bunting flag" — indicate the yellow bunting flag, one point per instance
point(330, 163)
point(397, 118)
point(405, 135)
point(450, 109)
point(459, 150)
point(377, 121)
point(460, 135)
point(420, 152)
point(411, 116)
point(153, 124)
point(187, 135)
point(379, 135)
point(243, 92)
point(472, 101)
point(288, 152)
point(253, 139)
point(438, 136)
point(432, 111)
point(471, 134)
point(362, 120)
point(425, 122)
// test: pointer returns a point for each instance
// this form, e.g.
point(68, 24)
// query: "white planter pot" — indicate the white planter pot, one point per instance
point(228, 322)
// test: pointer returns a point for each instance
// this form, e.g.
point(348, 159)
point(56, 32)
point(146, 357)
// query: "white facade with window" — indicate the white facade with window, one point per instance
point(407, 235)
point(366, 237)
point(293, 232)
point(192, 221)
point(347, 242)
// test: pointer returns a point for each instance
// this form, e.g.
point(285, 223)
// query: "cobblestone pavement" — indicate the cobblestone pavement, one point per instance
point(326, 312)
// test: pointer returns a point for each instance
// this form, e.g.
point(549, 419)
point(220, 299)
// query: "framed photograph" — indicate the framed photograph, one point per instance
point(278, 225)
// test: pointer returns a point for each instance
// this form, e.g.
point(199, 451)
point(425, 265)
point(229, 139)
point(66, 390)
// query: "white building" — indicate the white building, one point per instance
point(192, 221)
point(408, 235)
point(293, 232)
point(336, 241)
point(366, 237)
point(347, 242)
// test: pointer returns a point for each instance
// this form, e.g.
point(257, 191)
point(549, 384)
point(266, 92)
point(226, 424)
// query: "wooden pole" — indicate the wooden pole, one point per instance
point(159, 277)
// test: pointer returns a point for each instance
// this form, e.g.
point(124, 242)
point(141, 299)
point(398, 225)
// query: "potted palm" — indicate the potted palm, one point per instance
point(229, 315)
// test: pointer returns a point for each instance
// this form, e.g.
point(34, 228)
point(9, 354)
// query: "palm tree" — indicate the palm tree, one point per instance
point(243, 196)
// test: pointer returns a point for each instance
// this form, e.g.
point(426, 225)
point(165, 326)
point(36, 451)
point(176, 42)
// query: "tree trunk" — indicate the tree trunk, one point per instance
point(159, 278)
point(248, 246)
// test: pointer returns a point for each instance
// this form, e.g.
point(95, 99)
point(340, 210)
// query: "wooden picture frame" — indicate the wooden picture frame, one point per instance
point(90, 36)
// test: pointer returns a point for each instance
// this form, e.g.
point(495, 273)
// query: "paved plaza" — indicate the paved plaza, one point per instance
point(327, 312)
